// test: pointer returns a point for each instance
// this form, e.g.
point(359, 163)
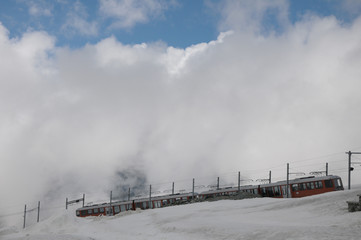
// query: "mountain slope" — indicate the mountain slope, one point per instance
point(318, 217)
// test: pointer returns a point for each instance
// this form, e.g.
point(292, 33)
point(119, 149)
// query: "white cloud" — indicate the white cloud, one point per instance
point(77, 23)
point(127, 13)
point(25, 67)
point(175, 58)
point(351, 6)
point(250, 15)
point(39, 8)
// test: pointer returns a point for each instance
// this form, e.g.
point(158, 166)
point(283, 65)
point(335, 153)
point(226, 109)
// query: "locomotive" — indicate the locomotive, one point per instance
point(299, 187)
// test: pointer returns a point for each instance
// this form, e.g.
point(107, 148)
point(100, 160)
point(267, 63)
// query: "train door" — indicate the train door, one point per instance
point(109, 211)
point(338, 184)
point(123, 208)
point(284, 191)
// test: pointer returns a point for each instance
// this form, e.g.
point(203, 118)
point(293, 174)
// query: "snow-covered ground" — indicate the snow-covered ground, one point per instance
point(318, 217)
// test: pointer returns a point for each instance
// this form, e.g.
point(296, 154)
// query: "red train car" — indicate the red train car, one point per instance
point(301, 187)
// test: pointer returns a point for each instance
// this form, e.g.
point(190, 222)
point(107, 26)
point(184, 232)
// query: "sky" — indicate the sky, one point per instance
point(104, 95)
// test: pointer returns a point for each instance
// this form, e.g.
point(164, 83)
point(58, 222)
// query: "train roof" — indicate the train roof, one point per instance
point(230, 189)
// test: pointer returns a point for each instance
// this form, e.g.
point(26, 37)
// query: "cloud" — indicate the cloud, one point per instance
point(72, 120)
point(39, 8)
point(253, 15)
point(175, 58)
point(352, 7)
point(77, 23)
point(127, 13)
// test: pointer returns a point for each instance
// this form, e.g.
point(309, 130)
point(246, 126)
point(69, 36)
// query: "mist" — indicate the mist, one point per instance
point(109, 116)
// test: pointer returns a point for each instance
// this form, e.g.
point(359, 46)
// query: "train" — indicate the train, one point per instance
point(299, 187)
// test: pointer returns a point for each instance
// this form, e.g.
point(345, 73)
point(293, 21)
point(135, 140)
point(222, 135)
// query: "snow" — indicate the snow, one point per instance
point(322, 216)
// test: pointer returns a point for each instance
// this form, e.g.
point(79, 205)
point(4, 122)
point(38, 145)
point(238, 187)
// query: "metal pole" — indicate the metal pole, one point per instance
point(349, 169)
point(270, 174)
point(38, 211)
point(326, 169)
point(24, 216)
point(66, 203)
point(83, 199)
point(110, 205)
point(129, 194)
point(288, 180)
point(173, 188)
point(239, 181)
point(217, 183)
point(150, 196)
point(193, 190)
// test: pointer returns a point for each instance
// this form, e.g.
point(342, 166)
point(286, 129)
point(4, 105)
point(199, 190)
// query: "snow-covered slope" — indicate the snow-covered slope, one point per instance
point(318, 217)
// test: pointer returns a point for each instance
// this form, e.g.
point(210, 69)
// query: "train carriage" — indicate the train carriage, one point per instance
point(301, 187)
point(109, 209)
point(227, 192)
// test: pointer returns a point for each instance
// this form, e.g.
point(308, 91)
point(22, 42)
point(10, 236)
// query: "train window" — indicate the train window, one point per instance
point(101, 210)
point(277, 191)
point(90, 211)
point(319, 184)
point(96, 210)
point(122, 208)
point(255, 191)
point(294, 187)
point(310, 185)
point(270, 192)
point(83, 213)
point(328, 184)
point(338, 182)
point(116, 209)
point(144, 205)
point(302, 186)
point(78, 213)
point(263, 192)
